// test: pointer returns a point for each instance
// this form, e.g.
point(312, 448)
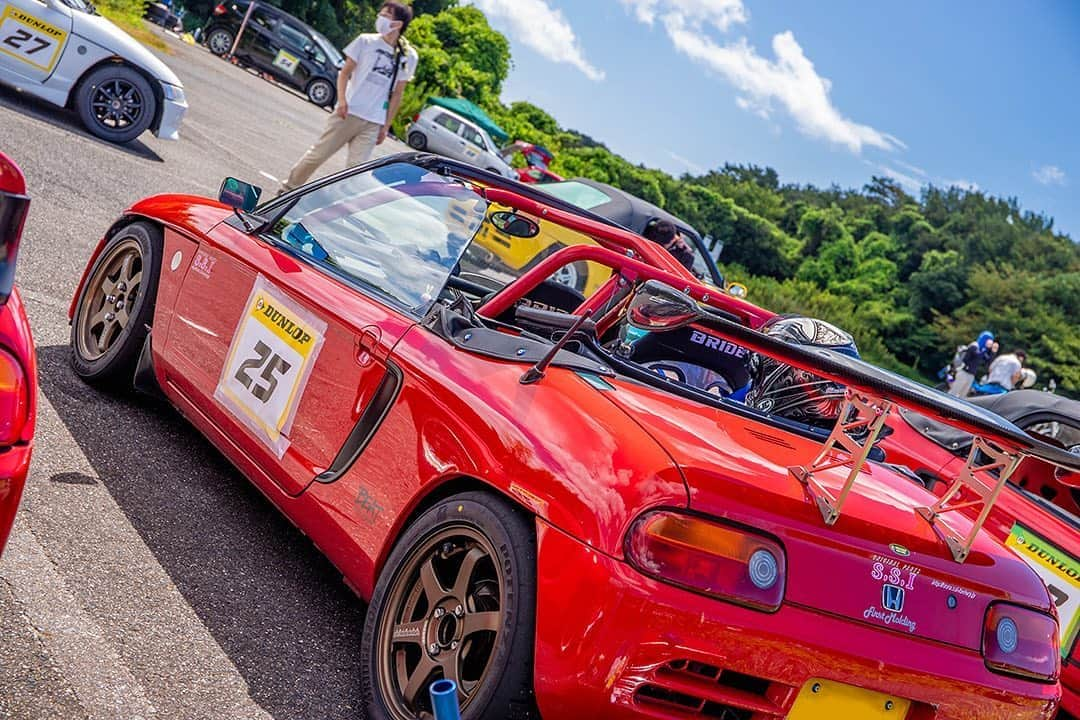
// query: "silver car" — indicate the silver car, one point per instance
point(446, 133)
point(65, 53)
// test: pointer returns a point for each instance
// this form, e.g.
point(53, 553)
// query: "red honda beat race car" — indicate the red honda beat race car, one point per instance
point(18, 363)
point(1035, 513)
point(532, 511)
point(18, 369)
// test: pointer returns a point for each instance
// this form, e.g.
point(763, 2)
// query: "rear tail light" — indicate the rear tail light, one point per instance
point(219, 9)
point(14, 399)
point(12, 214)
point(723, 561)
point(1019, 641)
point(416, 117)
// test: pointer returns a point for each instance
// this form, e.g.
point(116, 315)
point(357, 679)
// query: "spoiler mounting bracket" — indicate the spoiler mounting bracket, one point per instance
point(850, 442)
point(973, 479)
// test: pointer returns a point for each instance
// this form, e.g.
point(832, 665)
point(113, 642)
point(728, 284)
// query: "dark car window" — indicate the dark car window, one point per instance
point(295, 37)
point(398, 230)
point(264, 19)
point(449, 122)
point(471, 134)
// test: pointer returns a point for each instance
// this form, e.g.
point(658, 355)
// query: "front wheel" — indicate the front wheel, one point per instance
point(116, 103)
point(321, 92)
point(456, 600)
point(116, 305)
point(417, 141)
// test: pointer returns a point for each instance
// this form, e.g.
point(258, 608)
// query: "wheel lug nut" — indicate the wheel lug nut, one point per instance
point(110, 299)
point(120, 305)
point(433, 648)
point(453, 645)
point(439, 612)
point(122, 286)
point(459, 611)
point(110, 316)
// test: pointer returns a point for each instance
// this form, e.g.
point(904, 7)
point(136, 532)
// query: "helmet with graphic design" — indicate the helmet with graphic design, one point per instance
point(780, 389)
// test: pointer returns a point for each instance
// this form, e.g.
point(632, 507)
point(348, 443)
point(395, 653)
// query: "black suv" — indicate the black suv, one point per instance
point(276, 43)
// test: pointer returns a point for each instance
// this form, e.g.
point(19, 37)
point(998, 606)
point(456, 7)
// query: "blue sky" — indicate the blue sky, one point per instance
point(983, 94)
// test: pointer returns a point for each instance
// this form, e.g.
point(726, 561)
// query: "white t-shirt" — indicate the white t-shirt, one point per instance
point(368, 91)
point(1002, 370)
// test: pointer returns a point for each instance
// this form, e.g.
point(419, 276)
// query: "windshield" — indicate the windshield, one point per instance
point(80, 5)
point(398, 230)
point(584, 196)
point(328, 48)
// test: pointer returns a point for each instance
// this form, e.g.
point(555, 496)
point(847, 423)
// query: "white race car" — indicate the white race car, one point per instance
point(64, 52)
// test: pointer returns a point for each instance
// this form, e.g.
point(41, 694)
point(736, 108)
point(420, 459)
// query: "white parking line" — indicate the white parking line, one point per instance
point(106, 612)
point(269, 176)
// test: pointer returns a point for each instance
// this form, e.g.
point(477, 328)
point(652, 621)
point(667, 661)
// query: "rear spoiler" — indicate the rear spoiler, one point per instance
point(997, 449)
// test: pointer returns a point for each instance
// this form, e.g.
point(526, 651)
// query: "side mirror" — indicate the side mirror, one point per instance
point(737, 290)
point(514, 225)
point(661, 308)
point(239, 194)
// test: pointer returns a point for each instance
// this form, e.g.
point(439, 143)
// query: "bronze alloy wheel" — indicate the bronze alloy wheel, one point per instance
point(443, 620)
point(111, 295)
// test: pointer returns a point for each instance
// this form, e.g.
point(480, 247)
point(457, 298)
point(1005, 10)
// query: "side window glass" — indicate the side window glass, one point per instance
point(449, 122)
point(263, 19)
point(397, 231)
point(296, 38)
point(473, 136)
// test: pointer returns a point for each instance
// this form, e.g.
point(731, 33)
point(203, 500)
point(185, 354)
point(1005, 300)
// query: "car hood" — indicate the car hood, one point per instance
point(736, 468)
point(100, 30)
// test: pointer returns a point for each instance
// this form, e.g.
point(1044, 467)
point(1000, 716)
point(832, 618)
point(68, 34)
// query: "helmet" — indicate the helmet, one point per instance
point(1027, 377)
point(779, 389)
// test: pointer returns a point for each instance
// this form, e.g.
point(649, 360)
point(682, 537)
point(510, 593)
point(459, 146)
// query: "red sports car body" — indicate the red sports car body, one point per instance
point(1045, 534)
point(18, 363)
point(529, 512)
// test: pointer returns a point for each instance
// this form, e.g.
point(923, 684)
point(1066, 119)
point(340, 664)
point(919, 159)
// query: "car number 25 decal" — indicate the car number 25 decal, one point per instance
point(29, 39)
point(1060, 572)
point(268, 364)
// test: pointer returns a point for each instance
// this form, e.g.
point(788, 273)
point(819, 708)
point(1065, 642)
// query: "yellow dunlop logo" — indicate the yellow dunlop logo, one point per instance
point(33, 22)
point(292, 330)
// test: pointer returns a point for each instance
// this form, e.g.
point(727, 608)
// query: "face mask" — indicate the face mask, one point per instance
point(383, 25)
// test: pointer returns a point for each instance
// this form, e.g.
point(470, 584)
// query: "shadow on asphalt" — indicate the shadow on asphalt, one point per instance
point(68, 120)
point(275, 605)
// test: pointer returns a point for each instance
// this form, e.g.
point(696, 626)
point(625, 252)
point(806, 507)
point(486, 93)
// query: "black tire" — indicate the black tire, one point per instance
point(505, 687)
point(321, 92)
point(116, 103)
point(220, 41)
point(417, 141)
point(114, 364)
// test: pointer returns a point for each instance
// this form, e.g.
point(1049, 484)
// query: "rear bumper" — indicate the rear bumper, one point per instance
point(14, 463)
point(612, 643)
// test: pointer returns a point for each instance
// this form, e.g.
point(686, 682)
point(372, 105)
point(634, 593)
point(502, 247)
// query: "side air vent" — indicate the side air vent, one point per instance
point(771, 439)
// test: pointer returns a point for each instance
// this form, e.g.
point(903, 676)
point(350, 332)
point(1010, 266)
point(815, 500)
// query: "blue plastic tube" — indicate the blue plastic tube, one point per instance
point(444, 700)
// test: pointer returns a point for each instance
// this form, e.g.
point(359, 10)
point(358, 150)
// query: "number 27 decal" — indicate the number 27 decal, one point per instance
point(19, 39)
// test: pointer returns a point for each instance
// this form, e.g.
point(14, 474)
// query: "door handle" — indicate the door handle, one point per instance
point(367, 345)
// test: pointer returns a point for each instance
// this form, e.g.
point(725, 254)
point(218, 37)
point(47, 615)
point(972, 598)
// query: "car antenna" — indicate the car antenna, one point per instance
point(536, 372)
point(247, 226)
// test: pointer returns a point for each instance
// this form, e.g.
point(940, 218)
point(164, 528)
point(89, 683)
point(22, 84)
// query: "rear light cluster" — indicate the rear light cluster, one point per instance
point(220, 9)
point(14, 399)
point(1019, 641)
point(716, 559)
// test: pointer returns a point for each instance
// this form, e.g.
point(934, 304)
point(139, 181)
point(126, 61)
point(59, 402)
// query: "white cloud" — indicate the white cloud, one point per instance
point(790, 80)
point(1049, 175)
point(912, 185)
point(688, 164)
point(721, 14)
point(962, 184)
point(911, 168)
point(543, 28)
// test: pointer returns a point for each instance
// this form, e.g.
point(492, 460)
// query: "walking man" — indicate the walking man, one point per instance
point(369, 87)
point(974, 355)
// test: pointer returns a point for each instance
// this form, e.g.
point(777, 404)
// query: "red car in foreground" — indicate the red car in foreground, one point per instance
point(530, 511)
point(1035, 515)
point(18, 363)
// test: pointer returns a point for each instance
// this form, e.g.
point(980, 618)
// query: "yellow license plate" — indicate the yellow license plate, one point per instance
point(827, 700)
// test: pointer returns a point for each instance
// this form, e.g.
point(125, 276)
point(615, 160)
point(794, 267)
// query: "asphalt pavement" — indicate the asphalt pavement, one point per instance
point(145, 577)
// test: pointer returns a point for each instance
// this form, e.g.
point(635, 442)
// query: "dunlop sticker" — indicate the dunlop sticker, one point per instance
point(30, 39)
point(269, 362)
point(1061, 573)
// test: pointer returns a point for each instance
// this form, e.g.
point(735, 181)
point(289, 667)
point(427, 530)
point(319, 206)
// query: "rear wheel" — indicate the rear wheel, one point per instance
point(417, 141)
point(116, 103)
point(220, 41)
point(116, 305)
point(456, 600)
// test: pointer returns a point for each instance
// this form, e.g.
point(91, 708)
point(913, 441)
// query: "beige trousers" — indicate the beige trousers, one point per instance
point(359, 134)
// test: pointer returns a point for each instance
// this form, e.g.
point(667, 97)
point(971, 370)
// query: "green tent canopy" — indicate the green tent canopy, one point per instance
point(473, 112)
